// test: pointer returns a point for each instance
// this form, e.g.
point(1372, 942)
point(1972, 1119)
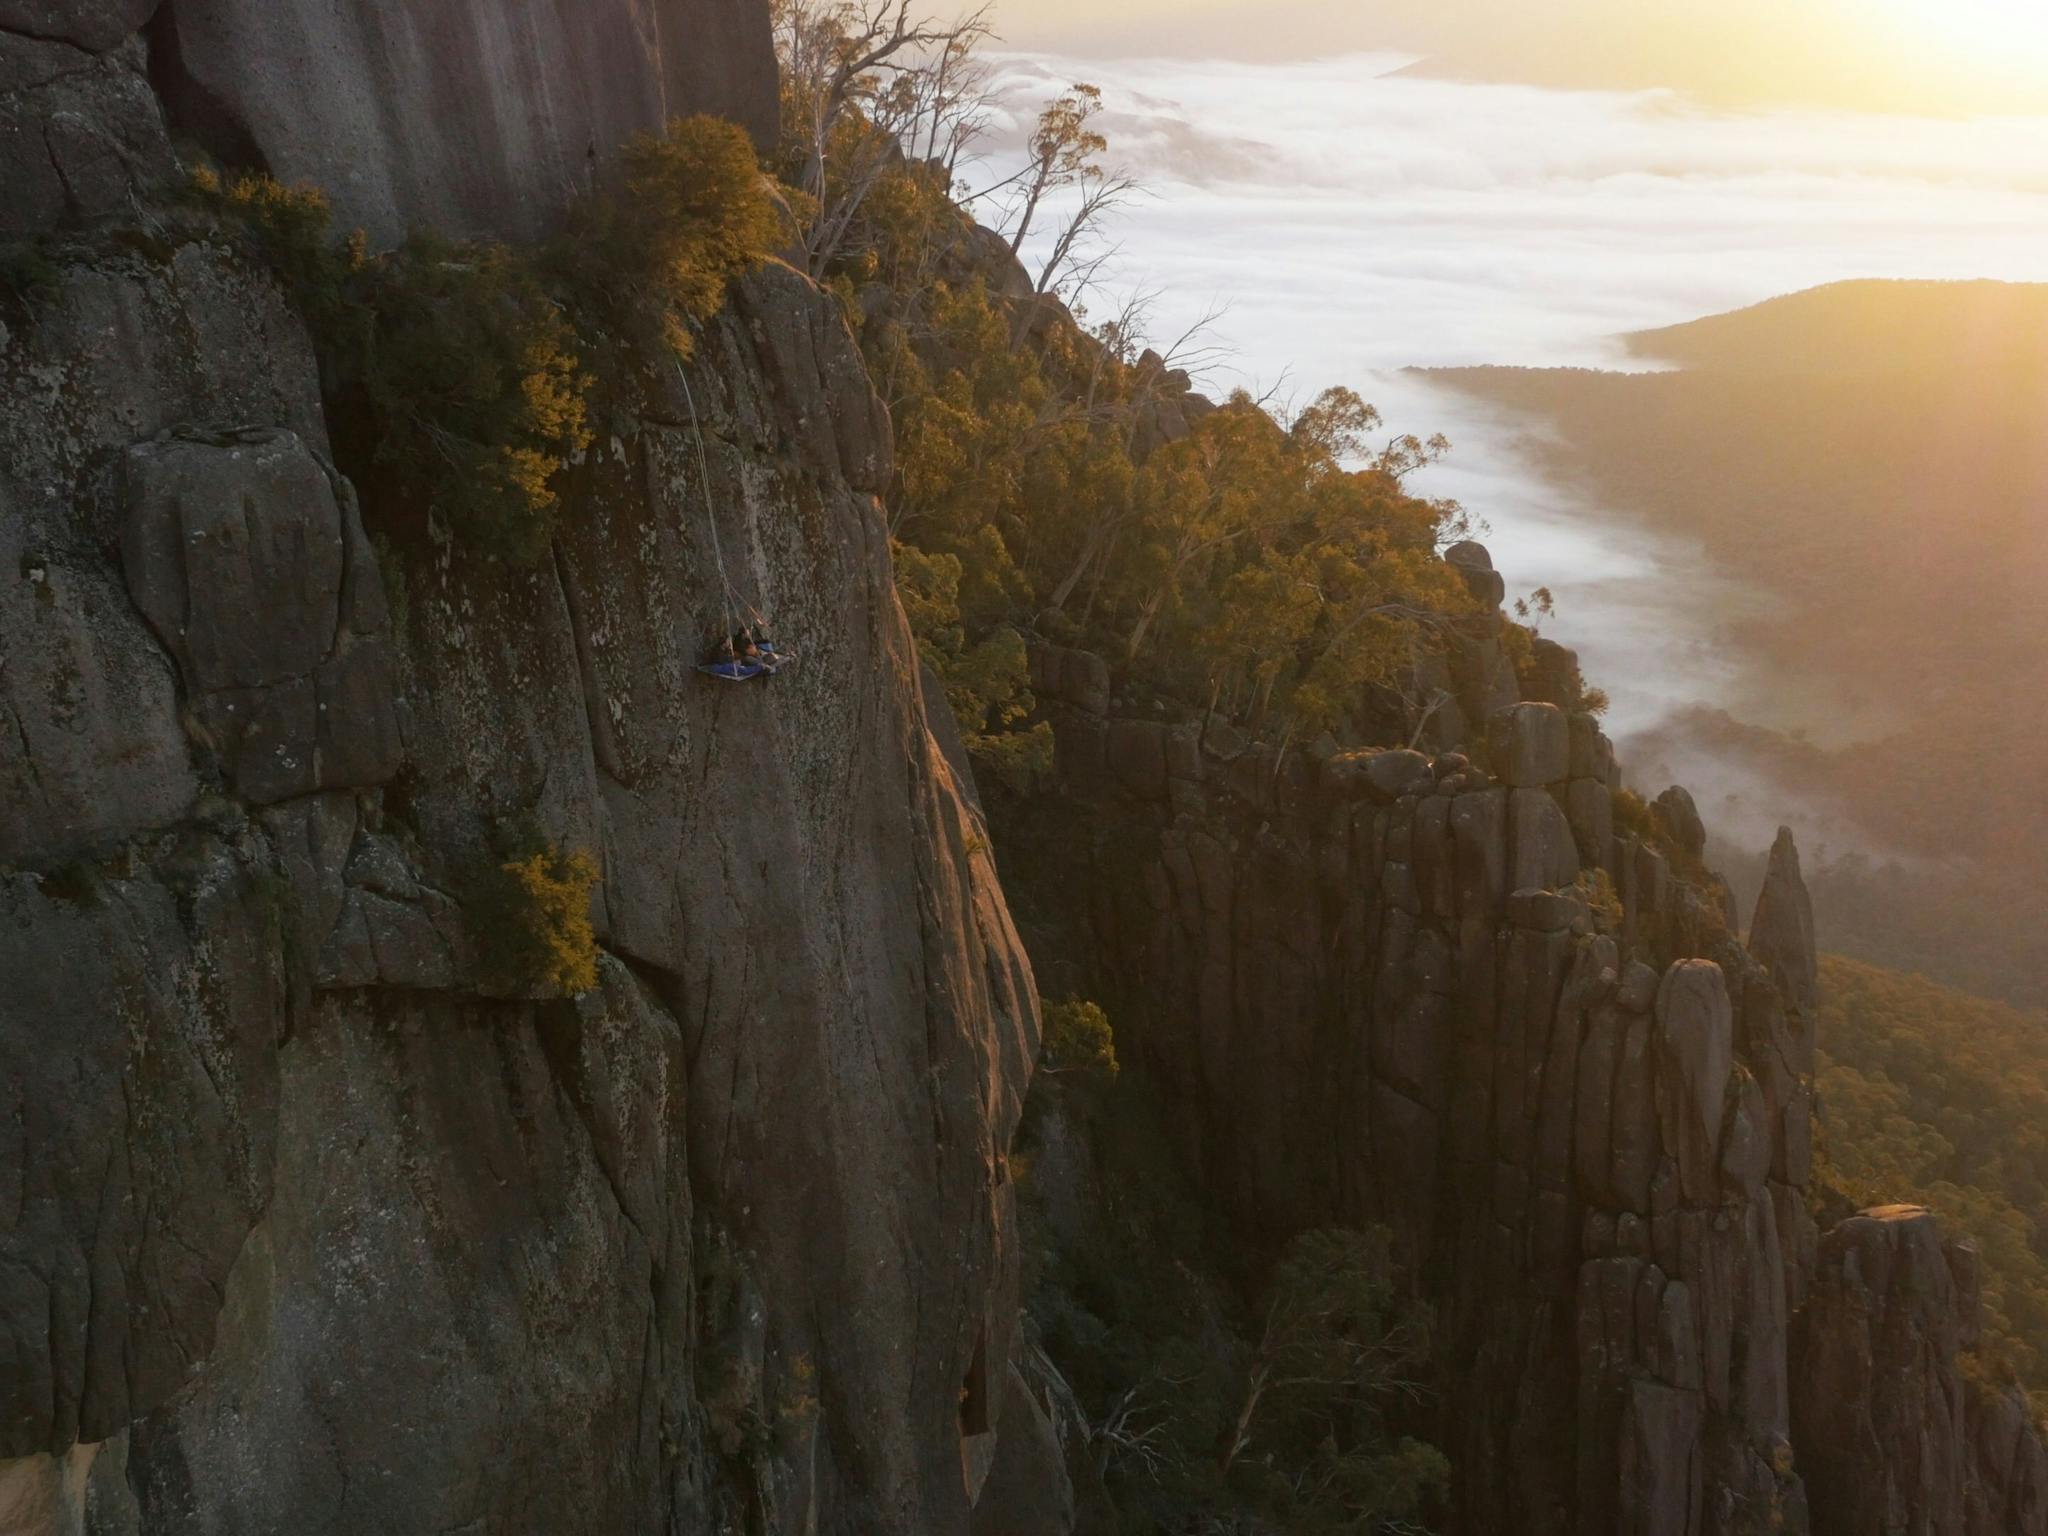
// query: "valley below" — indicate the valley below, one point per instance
point(1863, 465)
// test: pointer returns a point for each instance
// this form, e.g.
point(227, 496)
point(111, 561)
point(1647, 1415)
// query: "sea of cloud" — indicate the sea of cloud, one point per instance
point(1357, 218)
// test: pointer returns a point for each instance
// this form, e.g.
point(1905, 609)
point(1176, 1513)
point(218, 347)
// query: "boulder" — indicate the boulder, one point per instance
point(1079, 678)
point(81, 139)
point(1680, 819)
point(1695, 1055)
point(1394, 774)
point(1542, 852)
point(1781, 933)
point(1638, 993)
point(248, 558)
point(1543, 911)
point(1469, 555)
point(1475, 565)
point(1551, 674)
point(1589, 807)
point(1592, 752)
point(1531, 745)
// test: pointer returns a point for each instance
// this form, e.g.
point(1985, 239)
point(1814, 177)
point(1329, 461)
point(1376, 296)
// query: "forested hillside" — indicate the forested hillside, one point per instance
point(1869, 458)
point(1931, 1095)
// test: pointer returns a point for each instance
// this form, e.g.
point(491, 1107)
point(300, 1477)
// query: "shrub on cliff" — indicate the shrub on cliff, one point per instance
point(531, 915)
point(455, 376)
point(1337, 1346)
point(987, 681)
point(290, 230)
point(459, 378)
point(1078, 1038)
point(476, 390)
point(690, 211)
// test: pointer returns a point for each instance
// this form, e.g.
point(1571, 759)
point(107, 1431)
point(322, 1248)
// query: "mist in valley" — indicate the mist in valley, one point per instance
point(1353, 220)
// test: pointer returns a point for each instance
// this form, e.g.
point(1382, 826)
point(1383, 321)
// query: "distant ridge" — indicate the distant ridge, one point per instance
point(1867, 326)
point(1870, 459)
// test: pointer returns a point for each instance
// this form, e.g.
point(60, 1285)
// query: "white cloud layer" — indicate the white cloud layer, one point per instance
point(1358, 220)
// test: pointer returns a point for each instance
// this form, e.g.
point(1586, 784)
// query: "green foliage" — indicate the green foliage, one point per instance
point(1152, 1336)
point(1337, 1345)
point(1277, 569)
point(1940, 1098)
point(290, 230)
point(690, 212)
point(1596, 888)
point(475, 384)
point(1078, 1038)
point(532, 916)
point(462, 374)
point(987, 682)
point(460, 367)
point(1632, 815)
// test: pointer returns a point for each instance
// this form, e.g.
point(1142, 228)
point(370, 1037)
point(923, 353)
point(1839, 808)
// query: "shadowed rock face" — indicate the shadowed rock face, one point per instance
point(479, 117)
point(1377, 993)
point(306, 1221)
point(1895, 1439)
point(1373, 995)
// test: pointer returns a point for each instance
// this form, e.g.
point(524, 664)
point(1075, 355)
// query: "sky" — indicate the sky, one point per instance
point(1930, 56)
point(1376, 185)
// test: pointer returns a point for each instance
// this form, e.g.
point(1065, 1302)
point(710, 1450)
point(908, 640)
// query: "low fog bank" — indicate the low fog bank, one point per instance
point(1355, 217)
point(1354, 222)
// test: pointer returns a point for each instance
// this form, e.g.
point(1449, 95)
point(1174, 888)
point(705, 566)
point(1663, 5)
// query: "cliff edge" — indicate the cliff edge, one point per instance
point(308, 1218)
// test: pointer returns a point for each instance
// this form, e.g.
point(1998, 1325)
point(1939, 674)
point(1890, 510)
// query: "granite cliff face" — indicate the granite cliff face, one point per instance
point(469, 118)
point(309, 1221)
point(304, 1222)
point(1377, 989)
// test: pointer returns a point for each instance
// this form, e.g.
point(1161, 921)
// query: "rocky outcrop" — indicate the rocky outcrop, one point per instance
point(252, 567)
point(1385, 987)
point(1893, 1434)
point(310, 1217)
point(81, 135)
point(1378, 990)
point(314, 1217)
point(470, 118)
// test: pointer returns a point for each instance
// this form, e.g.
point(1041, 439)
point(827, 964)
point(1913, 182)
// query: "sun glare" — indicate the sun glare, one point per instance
point(1993, 32)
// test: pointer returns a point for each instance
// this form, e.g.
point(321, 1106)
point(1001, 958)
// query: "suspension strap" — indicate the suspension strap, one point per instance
point(728, 595)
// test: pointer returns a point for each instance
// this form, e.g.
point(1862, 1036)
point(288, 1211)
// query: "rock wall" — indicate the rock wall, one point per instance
point(1893, 1435)
point(471, 118)
point(309, 1221)
point(1389, 987)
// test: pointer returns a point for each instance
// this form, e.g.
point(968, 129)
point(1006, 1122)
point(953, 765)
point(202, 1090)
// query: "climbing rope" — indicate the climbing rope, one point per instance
point(710, 508)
